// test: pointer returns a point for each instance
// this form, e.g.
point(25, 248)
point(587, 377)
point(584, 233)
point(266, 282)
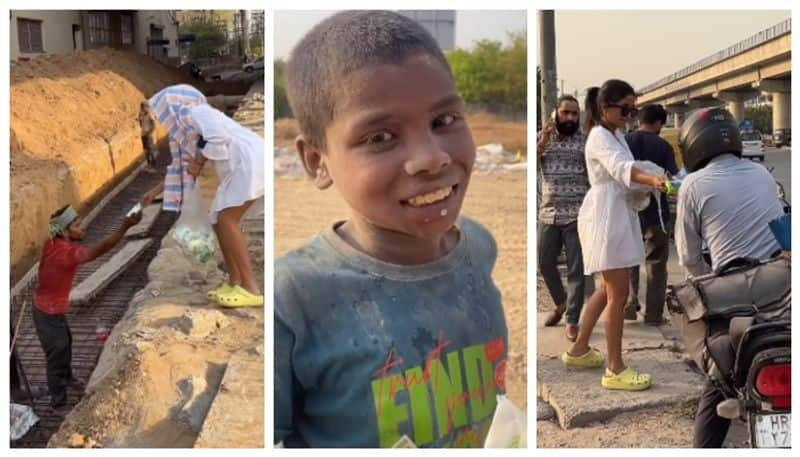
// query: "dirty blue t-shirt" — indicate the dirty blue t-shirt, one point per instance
point(367, 352)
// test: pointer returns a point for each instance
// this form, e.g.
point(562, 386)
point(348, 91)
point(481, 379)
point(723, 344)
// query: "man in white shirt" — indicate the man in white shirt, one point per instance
point(727, 203)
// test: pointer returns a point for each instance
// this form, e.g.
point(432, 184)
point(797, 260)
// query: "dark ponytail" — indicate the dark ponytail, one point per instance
point(610, 93)
point(592, 109)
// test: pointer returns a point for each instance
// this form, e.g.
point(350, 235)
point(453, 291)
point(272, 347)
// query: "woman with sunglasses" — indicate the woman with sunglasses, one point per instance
point(609, 230)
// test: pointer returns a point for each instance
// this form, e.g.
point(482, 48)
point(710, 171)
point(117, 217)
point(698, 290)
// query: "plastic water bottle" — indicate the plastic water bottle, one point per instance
point(673, 186)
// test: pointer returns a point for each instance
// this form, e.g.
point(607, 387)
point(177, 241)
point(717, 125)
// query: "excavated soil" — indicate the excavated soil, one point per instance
point(74, 131)
point(164, 362)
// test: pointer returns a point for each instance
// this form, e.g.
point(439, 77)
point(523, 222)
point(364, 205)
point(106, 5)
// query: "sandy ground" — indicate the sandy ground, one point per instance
point(497, 201)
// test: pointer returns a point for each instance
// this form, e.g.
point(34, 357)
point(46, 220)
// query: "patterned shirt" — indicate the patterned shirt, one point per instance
point(562, 179)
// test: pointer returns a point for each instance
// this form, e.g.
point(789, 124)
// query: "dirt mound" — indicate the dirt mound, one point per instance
point(486, 128)
point(176, 368)
point(74, 129)
point(163, 365)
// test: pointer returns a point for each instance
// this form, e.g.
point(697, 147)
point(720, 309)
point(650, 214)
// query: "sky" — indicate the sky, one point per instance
point(644, 46)
point(471, 26)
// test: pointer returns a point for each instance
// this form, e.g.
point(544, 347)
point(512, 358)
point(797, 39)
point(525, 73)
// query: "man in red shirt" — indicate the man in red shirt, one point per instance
point(61, 257)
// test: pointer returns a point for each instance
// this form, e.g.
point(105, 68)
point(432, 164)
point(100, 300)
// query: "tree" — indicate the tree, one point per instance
point(256, 46)
point(761, 117)
point(281, 105)
point(492, 76)
point(209, 37)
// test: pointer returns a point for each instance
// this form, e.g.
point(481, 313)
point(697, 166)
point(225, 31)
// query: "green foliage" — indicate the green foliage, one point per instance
point(761, 116)
point(492, 76)
point(210, 38)
point(281, 106)
point(256, 46)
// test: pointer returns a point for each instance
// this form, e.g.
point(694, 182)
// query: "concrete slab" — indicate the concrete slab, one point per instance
point(578, 399)
point(551, 342)
point(236, 417)
point(544, 412)
point(92, 285)
point(149, 216)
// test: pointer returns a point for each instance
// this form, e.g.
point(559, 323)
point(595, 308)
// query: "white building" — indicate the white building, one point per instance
point(38, 32)
point(440, 23)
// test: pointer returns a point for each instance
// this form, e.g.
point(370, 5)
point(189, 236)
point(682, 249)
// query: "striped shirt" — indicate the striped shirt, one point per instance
point(171, 108)
point(562, 179)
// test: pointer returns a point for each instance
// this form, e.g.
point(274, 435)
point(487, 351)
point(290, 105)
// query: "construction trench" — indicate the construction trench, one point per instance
point(163, 367)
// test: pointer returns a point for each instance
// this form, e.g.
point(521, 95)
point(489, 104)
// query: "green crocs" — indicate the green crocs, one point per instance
point(591, 359)
point(223, 289)
point(628, 379)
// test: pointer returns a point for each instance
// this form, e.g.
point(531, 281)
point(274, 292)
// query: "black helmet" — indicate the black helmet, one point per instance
point(707, 133)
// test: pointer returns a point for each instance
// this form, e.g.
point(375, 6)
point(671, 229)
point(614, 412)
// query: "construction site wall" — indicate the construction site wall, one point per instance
point(74, 134)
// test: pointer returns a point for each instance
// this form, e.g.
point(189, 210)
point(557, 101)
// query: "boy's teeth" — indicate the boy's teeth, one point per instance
point(433, 197)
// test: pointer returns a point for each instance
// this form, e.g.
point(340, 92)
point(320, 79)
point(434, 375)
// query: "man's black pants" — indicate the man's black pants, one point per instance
point(56, 339)
point(656, 247)
point(709, 428)
point(551, 238)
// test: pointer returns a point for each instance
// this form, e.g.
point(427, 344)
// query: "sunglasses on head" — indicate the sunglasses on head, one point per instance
point(626, 110)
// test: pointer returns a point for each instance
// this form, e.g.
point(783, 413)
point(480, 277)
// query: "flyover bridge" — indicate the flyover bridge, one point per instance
point(759, 64)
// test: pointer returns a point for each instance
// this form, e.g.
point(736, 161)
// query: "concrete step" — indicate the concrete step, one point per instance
point(236, 417)
point(149, 216)
point(98, 280)
point(578, 399)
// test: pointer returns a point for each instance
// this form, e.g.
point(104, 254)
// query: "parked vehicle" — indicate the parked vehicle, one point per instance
point(752, 146)
point(255, 65)
point(782, 137)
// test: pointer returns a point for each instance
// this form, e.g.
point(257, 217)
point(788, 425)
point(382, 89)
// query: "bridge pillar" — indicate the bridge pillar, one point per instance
point(734, 101)
point(679, 111)
point(781, 91)
point(781, 110)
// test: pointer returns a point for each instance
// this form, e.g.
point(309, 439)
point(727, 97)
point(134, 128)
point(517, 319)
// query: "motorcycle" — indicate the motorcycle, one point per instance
point(736, 324)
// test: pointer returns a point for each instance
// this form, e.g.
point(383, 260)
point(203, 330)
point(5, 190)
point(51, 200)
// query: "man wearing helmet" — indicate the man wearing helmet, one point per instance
point(727, 203)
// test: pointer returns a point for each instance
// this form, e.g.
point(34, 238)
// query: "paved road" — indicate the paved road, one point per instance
point(780, 158)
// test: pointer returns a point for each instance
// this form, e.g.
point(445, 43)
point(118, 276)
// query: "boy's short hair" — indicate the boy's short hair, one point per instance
point(650, 114)
point(340, 45)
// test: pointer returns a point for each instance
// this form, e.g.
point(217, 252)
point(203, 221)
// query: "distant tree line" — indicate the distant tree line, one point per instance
point(493, 77)
point(761, 117)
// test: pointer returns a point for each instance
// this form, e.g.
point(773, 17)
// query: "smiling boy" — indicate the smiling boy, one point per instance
point(387, 324)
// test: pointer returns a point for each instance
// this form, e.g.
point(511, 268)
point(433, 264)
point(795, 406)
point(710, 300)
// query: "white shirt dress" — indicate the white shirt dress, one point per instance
point(608, 225)
point(238, 155)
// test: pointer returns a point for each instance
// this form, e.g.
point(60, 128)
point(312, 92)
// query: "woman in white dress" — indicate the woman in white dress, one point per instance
point(199, 133)
point(238, 156)
point(608, 227)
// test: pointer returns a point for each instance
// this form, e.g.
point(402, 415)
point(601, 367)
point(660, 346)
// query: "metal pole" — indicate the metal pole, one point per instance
point(547, 59)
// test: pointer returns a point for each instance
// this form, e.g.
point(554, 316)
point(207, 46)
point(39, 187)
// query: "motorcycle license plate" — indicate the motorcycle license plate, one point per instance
point(773, 430)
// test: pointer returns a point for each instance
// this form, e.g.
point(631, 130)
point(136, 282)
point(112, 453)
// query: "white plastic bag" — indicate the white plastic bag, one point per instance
point(193, 230)
point(509, 427)
point(639, 195)
point(22, 419)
